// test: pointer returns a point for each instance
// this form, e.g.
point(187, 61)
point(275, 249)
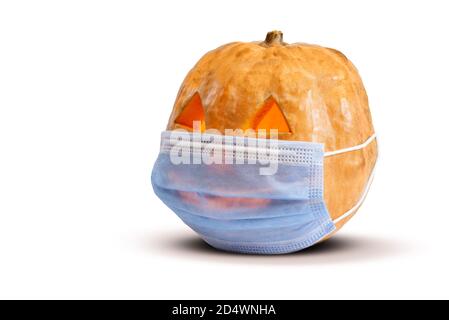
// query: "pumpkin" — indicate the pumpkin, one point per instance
point(307, 92)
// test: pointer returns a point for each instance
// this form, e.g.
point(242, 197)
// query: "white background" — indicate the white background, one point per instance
point(87, 86)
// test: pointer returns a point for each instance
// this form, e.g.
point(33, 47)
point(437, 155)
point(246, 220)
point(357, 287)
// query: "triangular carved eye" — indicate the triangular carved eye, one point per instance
point(271, 116)
point(193, 111)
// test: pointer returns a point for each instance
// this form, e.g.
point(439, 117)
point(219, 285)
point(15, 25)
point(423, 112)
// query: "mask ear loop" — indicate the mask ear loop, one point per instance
point(370, 179)
point(359, 203)
point(354, 148)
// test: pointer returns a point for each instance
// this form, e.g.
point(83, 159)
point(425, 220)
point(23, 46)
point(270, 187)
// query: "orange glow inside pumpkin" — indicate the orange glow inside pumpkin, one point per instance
point(271, 117)
point(193, 111)
point(217, 203)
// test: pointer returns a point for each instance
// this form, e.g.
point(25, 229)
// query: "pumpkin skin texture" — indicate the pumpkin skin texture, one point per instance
point(318, 91)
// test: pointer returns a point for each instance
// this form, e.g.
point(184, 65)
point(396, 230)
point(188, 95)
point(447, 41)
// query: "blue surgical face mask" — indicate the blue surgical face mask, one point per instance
point(245, 195)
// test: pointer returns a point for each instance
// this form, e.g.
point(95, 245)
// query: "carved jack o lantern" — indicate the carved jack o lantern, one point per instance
point(307, 92)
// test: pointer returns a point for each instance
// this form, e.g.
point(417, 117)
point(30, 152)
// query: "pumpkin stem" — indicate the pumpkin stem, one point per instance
point(274, 37)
